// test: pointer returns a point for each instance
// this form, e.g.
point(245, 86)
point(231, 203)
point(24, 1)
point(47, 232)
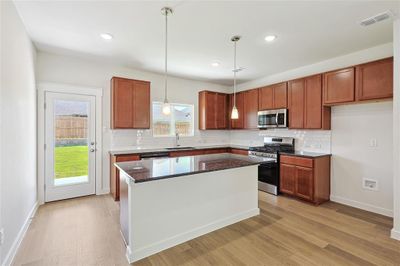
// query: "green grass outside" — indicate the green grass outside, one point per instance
point(71, 161)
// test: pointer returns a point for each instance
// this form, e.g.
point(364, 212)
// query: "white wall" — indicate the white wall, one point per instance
point(353, 129)
point(18, 129)
point(84, 72)
point(396, 129)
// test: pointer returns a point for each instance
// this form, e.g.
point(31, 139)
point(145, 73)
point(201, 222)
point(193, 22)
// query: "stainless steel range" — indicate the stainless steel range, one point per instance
point(268, 172)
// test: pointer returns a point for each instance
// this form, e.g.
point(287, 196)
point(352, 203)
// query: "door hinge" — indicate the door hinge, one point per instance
point(45, 105)
point(44, 187)
point(45, 146)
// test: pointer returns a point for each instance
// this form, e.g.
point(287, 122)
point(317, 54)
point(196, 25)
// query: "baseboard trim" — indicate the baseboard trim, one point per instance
point(395, 234)
point(103, 191)
point(363, 206)
point(21, 234)
point(135, 255)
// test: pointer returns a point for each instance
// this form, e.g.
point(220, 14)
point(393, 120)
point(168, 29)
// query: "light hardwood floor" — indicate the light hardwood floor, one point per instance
point(85, 231)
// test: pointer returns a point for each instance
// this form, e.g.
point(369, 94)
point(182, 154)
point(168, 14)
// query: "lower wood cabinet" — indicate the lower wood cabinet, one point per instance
point(305, 178)
point(114, 172)
point(239, 151)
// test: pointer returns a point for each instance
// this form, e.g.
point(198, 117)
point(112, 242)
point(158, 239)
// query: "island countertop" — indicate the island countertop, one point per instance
point(161, 168)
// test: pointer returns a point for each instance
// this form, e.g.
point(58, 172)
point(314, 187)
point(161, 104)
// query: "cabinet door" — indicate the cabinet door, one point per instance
point(280, 95)
point(221, 108)
point(338, 86)
point(313, 102)
point(287, 178)
point(250, 109)
point(304, 182)
point(141, 104)
point(237, 123)
point(296, 103)
point(207, 110)
point(266, 98)
point(375, 80)
point(122, 103)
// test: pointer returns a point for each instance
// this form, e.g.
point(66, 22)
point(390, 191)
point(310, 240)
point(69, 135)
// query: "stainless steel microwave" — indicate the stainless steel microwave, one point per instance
point(272, 118)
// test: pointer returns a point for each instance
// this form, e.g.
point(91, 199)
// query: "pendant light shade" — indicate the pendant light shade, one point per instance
point(234, 112)
point(166, 109)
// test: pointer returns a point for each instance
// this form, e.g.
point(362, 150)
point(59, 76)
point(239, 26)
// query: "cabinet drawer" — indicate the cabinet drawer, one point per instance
point(299, 161)
point(127, 158)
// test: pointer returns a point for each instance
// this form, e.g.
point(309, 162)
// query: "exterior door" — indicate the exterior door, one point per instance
point(70, 145)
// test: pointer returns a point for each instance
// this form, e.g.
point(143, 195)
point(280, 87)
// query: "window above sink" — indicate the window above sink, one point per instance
point(180, 120)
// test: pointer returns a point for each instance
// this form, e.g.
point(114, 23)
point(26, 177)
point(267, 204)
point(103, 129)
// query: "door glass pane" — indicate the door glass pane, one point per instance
point(71, 154)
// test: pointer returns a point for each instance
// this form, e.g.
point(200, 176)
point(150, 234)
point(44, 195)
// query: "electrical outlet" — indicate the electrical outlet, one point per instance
point(1, 236)
point(373, 143)
point(370, 184)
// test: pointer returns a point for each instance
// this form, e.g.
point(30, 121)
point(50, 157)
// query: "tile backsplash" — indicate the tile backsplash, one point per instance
point(306, 140)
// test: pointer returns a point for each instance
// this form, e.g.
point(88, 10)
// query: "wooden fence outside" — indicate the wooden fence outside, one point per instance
point(71, 127)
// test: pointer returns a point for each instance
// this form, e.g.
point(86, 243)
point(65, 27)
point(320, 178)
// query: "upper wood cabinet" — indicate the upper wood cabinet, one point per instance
point(273, 97)
point(251, 109)
point(213, 113)
point(374, 80)
point(237, 123)
point(316, 116)
point(130, 103)
point(339, 86)
point(305, 104)
point(296, 103)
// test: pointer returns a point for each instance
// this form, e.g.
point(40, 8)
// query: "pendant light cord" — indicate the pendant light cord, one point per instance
point(166, 57)
point(234, 75)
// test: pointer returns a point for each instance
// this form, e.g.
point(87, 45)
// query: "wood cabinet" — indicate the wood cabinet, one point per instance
point(213, 113)
point(250, 109)
point(114, 172)
point(130, 103)
point(374, 80)
point(296, 103)
point(305, 178)
point(305, 104)
point(239, 151)
point(237, 123)
point(339, 86)
point(273, 97)
point(197, 152)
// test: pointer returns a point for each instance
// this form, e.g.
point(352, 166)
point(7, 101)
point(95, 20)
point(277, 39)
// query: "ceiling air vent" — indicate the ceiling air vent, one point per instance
point(377, 18)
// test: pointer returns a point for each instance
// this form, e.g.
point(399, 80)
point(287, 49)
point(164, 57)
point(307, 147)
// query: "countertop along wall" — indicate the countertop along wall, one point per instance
point(353, 127)
point(95, 73)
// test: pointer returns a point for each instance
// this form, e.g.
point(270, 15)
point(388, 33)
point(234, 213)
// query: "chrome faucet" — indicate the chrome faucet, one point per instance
point(177, 140)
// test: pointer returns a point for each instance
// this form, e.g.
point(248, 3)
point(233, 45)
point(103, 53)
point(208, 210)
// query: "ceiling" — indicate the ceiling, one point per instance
point(200, 32)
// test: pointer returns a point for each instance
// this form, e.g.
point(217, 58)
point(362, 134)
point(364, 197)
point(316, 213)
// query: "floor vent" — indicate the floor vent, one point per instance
point(377, 18)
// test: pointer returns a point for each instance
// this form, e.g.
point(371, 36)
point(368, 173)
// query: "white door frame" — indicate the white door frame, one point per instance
point(63, 88)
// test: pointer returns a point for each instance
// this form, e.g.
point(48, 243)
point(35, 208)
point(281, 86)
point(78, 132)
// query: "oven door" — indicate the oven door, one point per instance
point(267, 119)
point(268, 177)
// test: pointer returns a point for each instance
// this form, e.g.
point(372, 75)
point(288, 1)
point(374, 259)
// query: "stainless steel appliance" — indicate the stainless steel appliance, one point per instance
point(272, 118)
point(268, 172)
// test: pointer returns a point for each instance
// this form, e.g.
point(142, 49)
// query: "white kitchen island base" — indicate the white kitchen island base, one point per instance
point(160, 214)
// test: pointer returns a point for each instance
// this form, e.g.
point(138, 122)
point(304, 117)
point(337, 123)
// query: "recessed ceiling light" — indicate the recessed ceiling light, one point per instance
point(106, 36)
point(215, 64)
point(270, 38)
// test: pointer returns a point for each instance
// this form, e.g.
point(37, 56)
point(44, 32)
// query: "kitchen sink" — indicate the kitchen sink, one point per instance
point(181, 148)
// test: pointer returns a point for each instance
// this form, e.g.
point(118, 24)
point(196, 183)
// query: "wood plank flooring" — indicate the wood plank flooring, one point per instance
point(85, 231)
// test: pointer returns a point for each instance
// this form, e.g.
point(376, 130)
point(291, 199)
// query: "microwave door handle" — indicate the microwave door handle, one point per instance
point(276, 119)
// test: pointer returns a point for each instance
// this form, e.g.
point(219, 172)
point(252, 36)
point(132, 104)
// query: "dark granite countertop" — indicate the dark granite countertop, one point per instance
point(155, 169)
point(306, 154)
point(143, 150)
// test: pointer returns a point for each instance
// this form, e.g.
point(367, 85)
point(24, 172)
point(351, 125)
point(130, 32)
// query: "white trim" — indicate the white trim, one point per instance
point(21, 234)
point(395, 234)
point(43, 87)
point(136, 255)
point(362, 205)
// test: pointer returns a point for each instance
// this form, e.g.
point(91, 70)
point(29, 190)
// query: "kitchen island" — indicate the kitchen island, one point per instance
point(168, 201)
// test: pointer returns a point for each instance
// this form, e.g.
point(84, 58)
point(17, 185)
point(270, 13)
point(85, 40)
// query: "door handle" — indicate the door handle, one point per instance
point(92, 150)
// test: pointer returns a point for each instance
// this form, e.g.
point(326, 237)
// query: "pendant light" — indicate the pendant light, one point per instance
point(166, 109)
point(235, 112)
